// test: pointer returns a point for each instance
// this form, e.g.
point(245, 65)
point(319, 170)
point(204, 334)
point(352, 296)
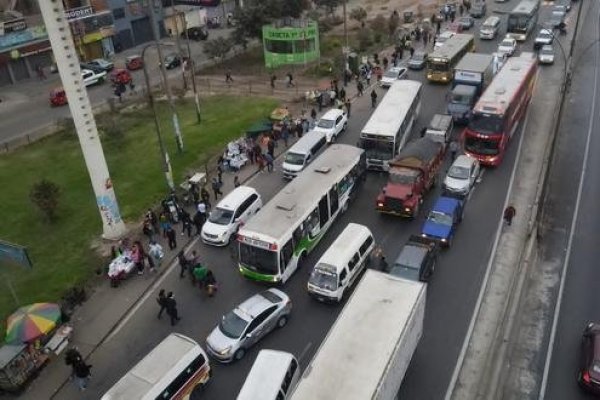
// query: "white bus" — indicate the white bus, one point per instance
point(391, 123)
point(522, 19)
point(170, 371)
point(275, 241)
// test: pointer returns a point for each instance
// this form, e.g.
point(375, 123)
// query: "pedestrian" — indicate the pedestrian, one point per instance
point(210, 283)
point(148, 229)
point(412, 51)
point(423, 131)
point(260, 161)
point(138, 256)
point(198, 275)
point(453, 149)
point(236, 180)
point(461, 9)
point(438, 27)
point(378, 258)
point(273, 79)
point(452, 16)
point(359, 87)
point(285, 135)
point(72, 356)
point(183, 263)
point(155, 251)
point(202, 209)
point(216, 187)
point(348, 107)
point(151, 215)
point(271, 147)
point(385, 62)
point(171, 307)
point(162, 302)
point(369, 75)
point(172, 237)
point(342, 94)
point(205, 196)
point(313, 114)
point(290, 80)
point(82, 372)
point(186, 223)
point(164, 223)
point(228, 77)
point(509, 214)
point(198, 221)
point(373, 98)
point(40, 72)
point(400, 53)
point(269, 161)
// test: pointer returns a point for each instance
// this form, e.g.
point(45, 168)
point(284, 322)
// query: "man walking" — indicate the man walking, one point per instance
point(171, 307)
point(509, 214)
point(269, 161)
point(171, 237)
point(216, 187)
point(183, 263)
point(359, 87)
point(290, 80)
point(155, 251)
point(373, 98)
point(82, 372)
point(228, 78)
point(186, 222)
point(453, 149)
point(348, 107)
point(162, 302)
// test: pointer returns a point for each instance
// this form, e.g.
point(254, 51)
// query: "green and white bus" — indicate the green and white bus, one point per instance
point(275, 241)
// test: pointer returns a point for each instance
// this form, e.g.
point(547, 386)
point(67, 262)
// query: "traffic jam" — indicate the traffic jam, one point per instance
point(487, 100)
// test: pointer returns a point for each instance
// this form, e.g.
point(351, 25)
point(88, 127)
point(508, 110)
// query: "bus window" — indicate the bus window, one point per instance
point(286, 254)
point(313, 225)
point(334, 200)
point(323, 210)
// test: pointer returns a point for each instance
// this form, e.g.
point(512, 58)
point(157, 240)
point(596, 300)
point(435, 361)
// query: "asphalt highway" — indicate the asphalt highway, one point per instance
point(451, 293)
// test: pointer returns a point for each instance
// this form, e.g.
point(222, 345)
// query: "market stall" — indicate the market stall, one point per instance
point(18, 363)
point(120, 267)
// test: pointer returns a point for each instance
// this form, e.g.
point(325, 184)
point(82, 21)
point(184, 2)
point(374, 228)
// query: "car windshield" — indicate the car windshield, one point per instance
point(547, 51)
point(461, 99)
point(326, 123)
point(322, 278)
point(485, 123)
point(220, 216)
point(402, 271)
point(440, 218)
point(419, 57)
point(403, 176)
point(482, 146)
point(258, 259)
point(506, 43)
point(544, 35)
point(458, 172)
point(294, 158)
point(377, 149)
point(232, 325)
point(391, 74)
point(466, 20)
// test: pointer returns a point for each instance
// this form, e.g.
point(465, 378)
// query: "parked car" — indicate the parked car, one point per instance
point(392, 75)
point(332, 123)
point(418, 60)
point(466, 22)
point(416, 260)
point(557, 18)
point(91, 67)
point(102, 64)
point(92, 78)
point(508, 46)
point(461, 176)
point(249, 322)
point(134, 62)
point(172, 61)
point(546, 54)
point(589, 364)
point(544, 36)
point(443, 219)
point(565, 3)
point(478, 9)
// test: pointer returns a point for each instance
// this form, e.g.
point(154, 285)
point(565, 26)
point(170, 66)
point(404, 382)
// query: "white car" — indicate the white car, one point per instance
point(462, 176)
point(508, 46)
point(332, 123)
point(392, 75)
point(92, 78)
point(546, 55)
point(232, 211)
point(543, 37)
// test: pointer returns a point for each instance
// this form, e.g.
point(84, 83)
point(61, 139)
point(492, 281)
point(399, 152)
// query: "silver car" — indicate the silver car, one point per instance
point(249, 322)
point(546, 55)
point(462, 176)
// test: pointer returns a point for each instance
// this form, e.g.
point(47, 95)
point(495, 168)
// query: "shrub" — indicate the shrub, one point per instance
point(45, 195)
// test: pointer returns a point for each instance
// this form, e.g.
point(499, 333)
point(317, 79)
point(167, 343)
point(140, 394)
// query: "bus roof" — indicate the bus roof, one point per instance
point(299, 197)
point(526, 7)
point(451, 46)
point(499, 94)
point(391, 112)
point(145, 375)
point(475, 62)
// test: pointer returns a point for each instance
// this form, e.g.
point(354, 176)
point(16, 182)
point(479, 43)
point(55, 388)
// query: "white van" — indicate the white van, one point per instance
point(489, 29)
point(303, 152)
point(273, 376)
point(232, 211)
point(339, 267)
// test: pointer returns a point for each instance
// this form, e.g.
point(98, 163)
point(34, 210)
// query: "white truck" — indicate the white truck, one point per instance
point(193, 20)
point(367, 351)
point(440, 128)
point(471, 76)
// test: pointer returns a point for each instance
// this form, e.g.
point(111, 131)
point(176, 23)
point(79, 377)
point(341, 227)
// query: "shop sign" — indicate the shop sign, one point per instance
point(92, 37)
point(288, 34)
point(16, 38)
point(14, 25)
point(79, 12)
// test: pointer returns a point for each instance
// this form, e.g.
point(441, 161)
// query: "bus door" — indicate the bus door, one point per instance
point(323, 211)
point(334, 200)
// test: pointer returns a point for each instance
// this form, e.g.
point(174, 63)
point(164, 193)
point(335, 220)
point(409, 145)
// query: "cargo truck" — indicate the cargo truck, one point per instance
point(411, 175)
point(471, 76)
point(368, 349)
point(191, 22)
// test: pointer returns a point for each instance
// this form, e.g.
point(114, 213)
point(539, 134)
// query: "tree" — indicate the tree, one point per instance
point(379, 24)
point(359, 14)
point(45, 195)
point(393, 23)
point(256, 13)
point(329, 5)
point(218, 48)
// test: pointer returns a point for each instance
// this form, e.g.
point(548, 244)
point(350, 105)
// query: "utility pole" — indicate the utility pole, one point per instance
point(193, 71)
point(67, 62)
point(345, 23)
point(177, 40)
point(163, 72)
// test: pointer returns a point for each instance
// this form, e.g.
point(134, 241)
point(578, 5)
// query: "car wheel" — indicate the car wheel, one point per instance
point(282, 321)
point(239, 354)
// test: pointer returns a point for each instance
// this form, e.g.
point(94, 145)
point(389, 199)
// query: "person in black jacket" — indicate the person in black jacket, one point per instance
point(82, 372)
point(171, 306)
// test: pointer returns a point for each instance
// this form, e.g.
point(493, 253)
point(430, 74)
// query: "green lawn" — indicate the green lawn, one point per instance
point(61, 252)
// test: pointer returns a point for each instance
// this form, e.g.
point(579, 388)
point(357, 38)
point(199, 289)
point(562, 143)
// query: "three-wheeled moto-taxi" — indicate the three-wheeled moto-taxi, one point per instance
point(58, 97)
point(134, 62)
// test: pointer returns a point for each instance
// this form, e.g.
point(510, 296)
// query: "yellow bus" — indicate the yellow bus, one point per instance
point(441, 63)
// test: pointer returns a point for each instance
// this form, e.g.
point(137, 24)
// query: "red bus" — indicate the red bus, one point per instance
point(499, 110)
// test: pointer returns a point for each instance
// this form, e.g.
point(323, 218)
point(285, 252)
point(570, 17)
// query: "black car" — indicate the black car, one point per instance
point(417, 259)
point(589, 369)
point(172, 61)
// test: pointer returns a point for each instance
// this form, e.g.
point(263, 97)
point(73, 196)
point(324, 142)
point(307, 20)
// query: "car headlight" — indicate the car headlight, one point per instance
point(407, 209)
point(225, 351)
point(444, 240)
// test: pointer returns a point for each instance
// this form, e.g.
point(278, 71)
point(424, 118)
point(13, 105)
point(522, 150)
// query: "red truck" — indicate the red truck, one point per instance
point(412, 173)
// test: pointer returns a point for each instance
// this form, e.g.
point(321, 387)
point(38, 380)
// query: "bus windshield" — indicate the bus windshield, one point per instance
point(377, 149)
point(482, 146)
point(517, 22)
point(486, 123)
point(439, 66)
point(260, 260)
point(323, 279)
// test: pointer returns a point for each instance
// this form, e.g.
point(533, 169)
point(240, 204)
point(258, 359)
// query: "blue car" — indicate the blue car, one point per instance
point(443, 219)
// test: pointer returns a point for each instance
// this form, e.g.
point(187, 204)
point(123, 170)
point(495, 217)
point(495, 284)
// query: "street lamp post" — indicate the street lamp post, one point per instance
point(163, 151)
point(193, 71)
point(163, 72)
point(177, 41)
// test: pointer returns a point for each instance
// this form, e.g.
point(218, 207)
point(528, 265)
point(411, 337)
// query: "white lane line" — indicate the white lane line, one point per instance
point(465, 345)
point(565, 267)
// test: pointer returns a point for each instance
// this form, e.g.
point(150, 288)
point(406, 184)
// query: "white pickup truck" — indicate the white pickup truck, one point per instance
point(92, 78)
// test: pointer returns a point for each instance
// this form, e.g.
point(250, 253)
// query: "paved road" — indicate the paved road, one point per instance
point(581, 291)
point(451, 296)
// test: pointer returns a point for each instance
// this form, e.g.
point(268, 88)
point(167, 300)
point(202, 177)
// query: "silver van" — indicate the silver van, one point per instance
point(489, 29)
point(302, 153)
point(273, 376)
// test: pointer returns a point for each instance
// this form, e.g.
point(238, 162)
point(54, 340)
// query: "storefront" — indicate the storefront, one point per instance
point(290, 42)
point(21, 52)
point(92, 32)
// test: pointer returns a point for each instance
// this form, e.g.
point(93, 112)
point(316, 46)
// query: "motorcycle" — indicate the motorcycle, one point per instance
point(172, 208)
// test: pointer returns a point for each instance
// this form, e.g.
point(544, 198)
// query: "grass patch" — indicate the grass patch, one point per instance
point(61, 252)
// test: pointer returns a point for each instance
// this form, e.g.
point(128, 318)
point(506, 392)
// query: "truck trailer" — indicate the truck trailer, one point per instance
point(367, 351)
point(471, 76)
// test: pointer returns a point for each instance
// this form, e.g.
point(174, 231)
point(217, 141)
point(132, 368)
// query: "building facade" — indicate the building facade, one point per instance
point(132, 22)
